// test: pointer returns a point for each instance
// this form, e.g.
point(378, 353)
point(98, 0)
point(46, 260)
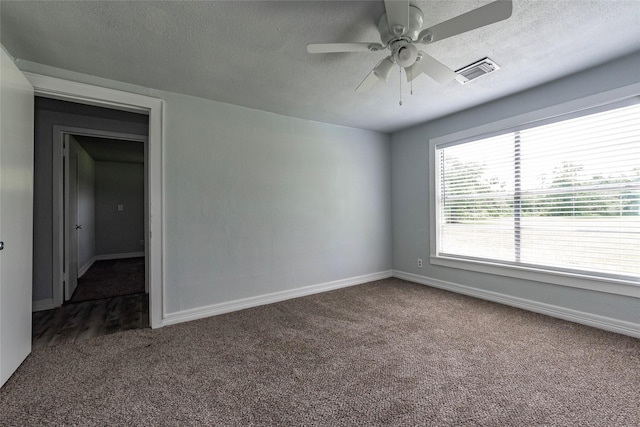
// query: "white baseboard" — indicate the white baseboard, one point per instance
point(241, 304)
point(597, 321)
point(42, 305)
point(119, 256)
point(104, 257)
point(86, 267)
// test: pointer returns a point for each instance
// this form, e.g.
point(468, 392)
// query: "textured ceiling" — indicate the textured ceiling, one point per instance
point(252, 53)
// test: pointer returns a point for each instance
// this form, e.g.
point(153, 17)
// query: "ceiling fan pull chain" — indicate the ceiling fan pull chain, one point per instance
point(411, 82)
point(400, 74)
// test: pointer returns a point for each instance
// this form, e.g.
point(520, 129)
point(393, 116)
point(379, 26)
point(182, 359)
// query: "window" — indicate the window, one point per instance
point(560, 197)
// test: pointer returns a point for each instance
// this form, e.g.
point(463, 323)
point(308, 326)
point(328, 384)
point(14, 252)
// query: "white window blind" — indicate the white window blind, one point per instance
point(563, 196)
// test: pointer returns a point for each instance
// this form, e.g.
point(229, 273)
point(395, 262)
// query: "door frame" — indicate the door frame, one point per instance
point(66, 90)
point(71, 248)
point(60, 231)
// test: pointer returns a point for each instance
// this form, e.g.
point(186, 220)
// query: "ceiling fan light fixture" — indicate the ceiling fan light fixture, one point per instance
point(406, 55)
point(383, 69)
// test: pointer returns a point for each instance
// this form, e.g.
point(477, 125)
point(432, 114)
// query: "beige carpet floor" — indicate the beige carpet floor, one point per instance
point(385, 353)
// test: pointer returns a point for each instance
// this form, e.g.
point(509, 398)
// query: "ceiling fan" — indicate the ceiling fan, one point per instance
point(401, 30)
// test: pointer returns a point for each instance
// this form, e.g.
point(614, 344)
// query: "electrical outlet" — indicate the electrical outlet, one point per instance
point(419, 262)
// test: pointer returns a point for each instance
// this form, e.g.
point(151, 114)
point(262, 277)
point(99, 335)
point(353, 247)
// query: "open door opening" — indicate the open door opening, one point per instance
point(116, 100)
point(100, 216)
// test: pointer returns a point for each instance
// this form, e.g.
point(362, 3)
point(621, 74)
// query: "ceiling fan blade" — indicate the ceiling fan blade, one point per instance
point(368, 83)
point(343, 47)
point(432, 68)
point(397, 16)
point(488, 14)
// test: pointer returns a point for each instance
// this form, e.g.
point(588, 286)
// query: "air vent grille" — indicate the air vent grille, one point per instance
point(477, 69)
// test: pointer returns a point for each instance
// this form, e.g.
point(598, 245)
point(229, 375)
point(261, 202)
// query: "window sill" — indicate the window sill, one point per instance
point(574, 280)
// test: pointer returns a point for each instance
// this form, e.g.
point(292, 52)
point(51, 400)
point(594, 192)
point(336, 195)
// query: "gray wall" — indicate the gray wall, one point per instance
point(48, 113)
point(119, 232)
point(410, 197)
point(86, 206)
point(257, 203)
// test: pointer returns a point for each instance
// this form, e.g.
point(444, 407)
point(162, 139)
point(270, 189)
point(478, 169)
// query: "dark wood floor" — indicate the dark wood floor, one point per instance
point(77, 321)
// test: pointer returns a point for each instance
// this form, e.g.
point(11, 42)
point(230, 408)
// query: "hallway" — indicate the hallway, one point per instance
point(109, 298)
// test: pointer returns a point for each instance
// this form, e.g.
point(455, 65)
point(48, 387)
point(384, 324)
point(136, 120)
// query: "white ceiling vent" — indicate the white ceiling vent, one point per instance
point(475, 70)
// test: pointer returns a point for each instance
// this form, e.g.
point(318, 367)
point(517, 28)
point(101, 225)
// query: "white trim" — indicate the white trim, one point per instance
point(65, 90)
point(105, 257)
point(584, 318)
point(119, 256)
point(241, 304)
point(104, 97)
point(582, 281)
point(86, 267)
point(564, 108)
point(43, 304)
point(573, 280)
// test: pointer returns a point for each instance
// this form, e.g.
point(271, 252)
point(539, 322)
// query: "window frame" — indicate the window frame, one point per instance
point(579, 107)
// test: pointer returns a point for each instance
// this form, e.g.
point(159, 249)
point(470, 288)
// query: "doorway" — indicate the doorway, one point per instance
point(104, 186)
point(101, 193)
point(88, 94)
point(99, 215)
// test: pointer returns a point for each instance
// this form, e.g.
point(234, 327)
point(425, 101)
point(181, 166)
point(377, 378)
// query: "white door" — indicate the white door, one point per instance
point(71, 216)
point(16, 216)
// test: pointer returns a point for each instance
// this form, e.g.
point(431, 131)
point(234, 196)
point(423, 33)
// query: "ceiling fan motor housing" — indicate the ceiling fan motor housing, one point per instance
point(416, 19)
